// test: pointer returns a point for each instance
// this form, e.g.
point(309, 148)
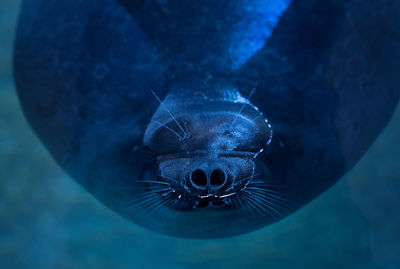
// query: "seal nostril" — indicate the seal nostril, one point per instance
point(199, 178)
point(217, 177)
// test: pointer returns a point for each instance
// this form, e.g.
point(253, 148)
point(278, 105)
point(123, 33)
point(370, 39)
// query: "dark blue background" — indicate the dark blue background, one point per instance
point(48, 221)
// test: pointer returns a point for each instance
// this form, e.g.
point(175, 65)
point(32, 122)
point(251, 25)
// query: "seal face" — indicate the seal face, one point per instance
point(205, 119)
point(206, 148)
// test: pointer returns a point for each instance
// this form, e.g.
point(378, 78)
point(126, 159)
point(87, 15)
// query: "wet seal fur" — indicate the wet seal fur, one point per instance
point(207, 119)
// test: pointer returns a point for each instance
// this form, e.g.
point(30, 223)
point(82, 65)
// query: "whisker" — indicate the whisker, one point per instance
point(278, 210)
point(279, 205)
point(266, 213)
point(280, 200)
point(144, 196)
point(165, 194)
point(272, 205)
point(156, 206)
point(261, 207)
point(253, 209)
point(252, 176)
point(283, 202)
point(270, 209)
point(178, 205)
point(233, 202)
point(151, 200)
point(242, 204)
point(172, 179)
point(264, 189)
point(166, 203)
point(154, 181)
point(149, 206)
point(169, 203)
point(244, 104)
point(169, 112)
point(143, 202)
point(129, 202)
point(168, 128)
point(151, 192)
point(262, 183)
point(272, 194)
point(239, 201)
point(254, 206)
point(158, 190)
point(173, 204)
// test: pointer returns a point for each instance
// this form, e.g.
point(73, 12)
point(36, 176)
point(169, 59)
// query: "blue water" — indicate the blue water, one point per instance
point(48, 221)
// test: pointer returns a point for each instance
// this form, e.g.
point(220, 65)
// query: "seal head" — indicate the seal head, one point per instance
point(206, 147)
point(205, 144)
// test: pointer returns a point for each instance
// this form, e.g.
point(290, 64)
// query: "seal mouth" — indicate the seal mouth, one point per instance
point(214, 201)
point(175, 195)
point(253, 196)
point(201, 204)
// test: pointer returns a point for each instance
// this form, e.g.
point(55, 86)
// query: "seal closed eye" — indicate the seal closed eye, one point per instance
point(207, 119)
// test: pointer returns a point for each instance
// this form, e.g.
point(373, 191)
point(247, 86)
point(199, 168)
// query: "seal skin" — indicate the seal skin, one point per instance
point(207, 119)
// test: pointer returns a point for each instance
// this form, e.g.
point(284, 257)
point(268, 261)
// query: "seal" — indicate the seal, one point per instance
point(207, 119)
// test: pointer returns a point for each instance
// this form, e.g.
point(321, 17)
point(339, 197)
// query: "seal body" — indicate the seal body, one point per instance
point(207, 119)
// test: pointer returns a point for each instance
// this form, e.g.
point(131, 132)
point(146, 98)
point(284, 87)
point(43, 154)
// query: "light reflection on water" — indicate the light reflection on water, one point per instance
point(48, 221)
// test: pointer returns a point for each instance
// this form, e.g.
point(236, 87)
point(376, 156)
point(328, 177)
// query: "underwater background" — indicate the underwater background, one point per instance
point(48, 221)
